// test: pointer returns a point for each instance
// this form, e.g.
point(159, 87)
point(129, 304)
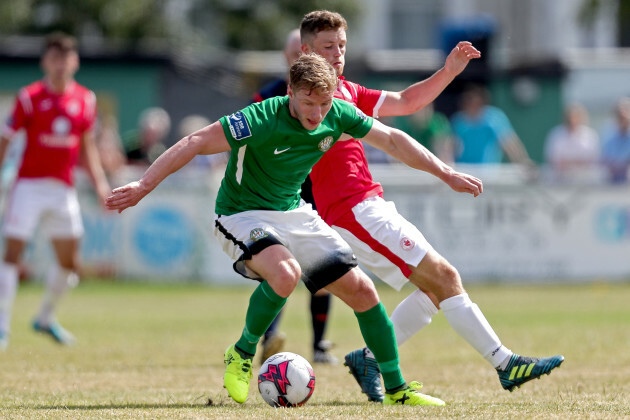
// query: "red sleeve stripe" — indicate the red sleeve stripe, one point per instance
point(25, 101)
point(346, 93)
point(89, 112)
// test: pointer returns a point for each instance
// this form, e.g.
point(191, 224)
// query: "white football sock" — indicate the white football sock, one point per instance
point(466, 319)
point(58, 280)
point(411, 315)
point(369, 354)
point(8, 289)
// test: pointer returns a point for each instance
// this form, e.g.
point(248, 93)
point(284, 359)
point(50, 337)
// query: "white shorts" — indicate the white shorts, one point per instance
point(383, 241)
point(323, 256)
point(45, 201)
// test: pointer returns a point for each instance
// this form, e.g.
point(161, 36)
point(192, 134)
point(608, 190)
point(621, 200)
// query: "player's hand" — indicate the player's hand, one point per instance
point(459, 57)
point(126, 196)
point(465, 183)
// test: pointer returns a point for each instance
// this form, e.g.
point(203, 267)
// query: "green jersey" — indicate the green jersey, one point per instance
point(272, 153)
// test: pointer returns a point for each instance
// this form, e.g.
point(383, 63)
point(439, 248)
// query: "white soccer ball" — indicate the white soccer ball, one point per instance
point(286, 380)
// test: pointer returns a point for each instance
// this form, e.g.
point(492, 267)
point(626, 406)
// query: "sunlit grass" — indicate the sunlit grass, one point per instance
point(149, 351)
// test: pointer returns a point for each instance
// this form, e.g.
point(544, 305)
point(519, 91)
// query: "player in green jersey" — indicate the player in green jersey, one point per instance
point(273, 236)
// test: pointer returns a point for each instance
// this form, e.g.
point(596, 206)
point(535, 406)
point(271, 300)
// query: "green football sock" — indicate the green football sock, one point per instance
point(264, 305)
point(378, 333)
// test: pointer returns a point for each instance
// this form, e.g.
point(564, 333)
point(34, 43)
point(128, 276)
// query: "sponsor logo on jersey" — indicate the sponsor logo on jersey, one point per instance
point(361, 114)
point(73, 108)
point(60, 136)
point(61, 125)
point(45, 105)
point(61, 141)
point(407, 244)
point(257, 234)
point(277, 152)
point(238, 126)
point(325, 144)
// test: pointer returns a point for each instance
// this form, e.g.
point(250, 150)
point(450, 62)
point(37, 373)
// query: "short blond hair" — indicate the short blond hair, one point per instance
point(320, 20)
point(312, 72)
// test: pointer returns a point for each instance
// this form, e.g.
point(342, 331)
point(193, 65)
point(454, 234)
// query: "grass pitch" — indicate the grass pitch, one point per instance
point(155, 351)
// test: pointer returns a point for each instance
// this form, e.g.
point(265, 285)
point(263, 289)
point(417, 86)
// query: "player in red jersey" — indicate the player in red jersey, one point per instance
point(58, 116)
point(349, 200)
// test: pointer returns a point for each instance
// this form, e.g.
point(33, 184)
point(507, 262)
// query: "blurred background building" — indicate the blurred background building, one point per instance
point(538, 54)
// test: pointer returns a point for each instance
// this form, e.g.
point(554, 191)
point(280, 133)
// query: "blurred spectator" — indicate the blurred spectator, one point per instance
point(374, 155)
point(189, 125)
point(278, 87)
point(572, 148)
point(432, 129)
point(109, 145)
point(483, 132)
point(616, 150)
point(147, 143)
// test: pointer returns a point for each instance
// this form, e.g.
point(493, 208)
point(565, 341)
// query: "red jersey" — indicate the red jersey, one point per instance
point(341, 178)
point(54, 124)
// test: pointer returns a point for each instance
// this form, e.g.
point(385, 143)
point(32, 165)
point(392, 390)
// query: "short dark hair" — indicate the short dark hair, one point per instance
point(475, 91)
point(320, 20)
point(60, 41)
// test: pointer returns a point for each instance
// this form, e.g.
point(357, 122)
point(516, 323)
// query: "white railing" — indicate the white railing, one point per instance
point(516, 230)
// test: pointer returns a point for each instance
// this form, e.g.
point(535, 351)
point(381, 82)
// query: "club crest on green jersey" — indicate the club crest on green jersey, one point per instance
point(257, 234)
point(325, 144)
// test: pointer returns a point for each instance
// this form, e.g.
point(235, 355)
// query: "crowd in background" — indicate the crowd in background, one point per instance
point(478, 133)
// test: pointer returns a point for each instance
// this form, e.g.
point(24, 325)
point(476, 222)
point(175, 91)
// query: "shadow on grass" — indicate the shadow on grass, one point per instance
point(122, 406)
point(209, 405)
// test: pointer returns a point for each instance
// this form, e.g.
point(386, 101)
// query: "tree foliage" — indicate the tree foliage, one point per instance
point(591, 8)
point(248, 24)
point(110, 19)
point(260, 24)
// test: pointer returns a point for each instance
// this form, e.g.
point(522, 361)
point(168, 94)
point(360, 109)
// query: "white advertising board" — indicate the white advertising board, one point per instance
point(512, 232)
point(523, 231)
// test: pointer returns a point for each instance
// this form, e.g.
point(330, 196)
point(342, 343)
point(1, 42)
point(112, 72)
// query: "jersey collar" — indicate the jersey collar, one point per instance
point(51, 90)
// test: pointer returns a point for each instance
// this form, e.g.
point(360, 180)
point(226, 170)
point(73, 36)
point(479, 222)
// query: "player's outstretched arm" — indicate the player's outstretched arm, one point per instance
point(4, 145)
point(404, 148)
point(92, 164)
point(422, 93)
point(207, 141)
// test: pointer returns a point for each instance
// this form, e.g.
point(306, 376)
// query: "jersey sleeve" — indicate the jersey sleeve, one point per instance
point(19, 117)
point(369, 100)
point(89, 111)
point(251, 124)
point(353, 121)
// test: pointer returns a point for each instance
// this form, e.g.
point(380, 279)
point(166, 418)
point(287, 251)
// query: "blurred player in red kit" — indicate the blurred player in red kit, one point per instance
point(58, 116)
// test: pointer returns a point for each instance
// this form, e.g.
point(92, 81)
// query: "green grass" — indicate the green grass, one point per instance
point(155, 351)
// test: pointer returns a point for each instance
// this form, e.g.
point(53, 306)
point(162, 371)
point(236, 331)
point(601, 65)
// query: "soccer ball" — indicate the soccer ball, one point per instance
point(286, 380)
